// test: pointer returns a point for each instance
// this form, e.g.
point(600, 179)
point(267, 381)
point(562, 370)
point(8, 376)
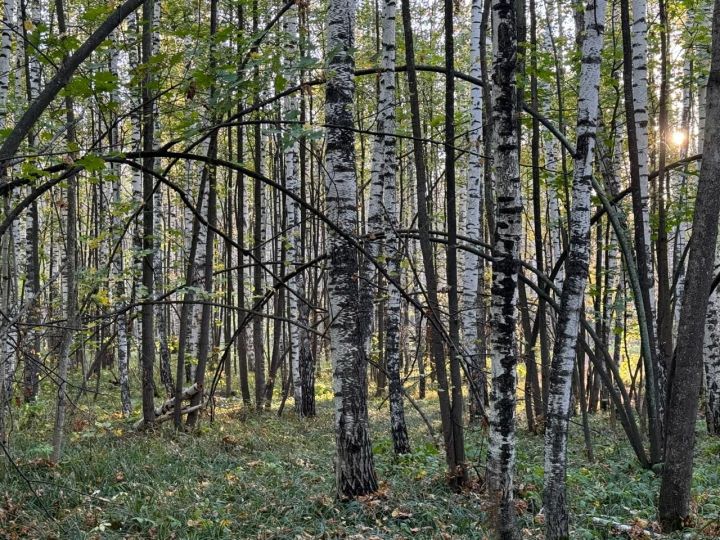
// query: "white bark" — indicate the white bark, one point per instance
point(292, 207)
point(118, 263)
point(552, 162)
point(7, 354)
point(135, 146)
point(711, 358)
point(503, 314)
point(473, 227)
point(376, 218)
point(640, 104)
point(31, 220)
point(8, 358)
point(5, 55)
point(388, 167)
point(354, 469)
point(563, 362)
point(679, 183)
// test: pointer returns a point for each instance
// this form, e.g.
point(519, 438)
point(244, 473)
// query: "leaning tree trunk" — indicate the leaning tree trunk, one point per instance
point(505, 264)
point(686, 369)
point(354, 468)
point(555, 224)
point(576, 274)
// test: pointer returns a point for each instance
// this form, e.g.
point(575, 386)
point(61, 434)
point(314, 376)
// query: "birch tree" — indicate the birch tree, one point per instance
point(388, 172)
point(711, 358)
point(354, 468)
point(296, 285)
point(472, 267)
point(576, 275)
point(31, 287)
point(505, 264)
point(8, 358)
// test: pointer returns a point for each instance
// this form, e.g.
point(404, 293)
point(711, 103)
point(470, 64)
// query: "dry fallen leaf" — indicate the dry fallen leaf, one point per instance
point(401, 514)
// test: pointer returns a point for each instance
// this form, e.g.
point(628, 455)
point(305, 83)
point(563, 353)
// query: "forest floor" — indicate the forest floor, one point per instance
point(250, 475)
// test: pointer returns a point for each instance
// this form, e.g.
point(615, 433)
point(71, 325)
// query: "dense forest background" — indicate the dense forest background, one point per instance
point(442, 269)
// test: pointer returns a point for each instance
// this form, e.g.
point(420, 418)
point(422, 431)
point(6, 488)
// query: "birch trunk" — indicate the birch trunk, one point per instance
point(199, 267)
point(711, 358)
point(136, 182)
point(147, 352)
point(640, 103)
point(7, 354)
point(645, 301)
point(388, 167)
point(576, 275)
point(32, 260)
point(117, 270)
point(296, 285)
point(159, 219)
point(505, 265)
point(5, 56)
point(472, 266)
point(354, 469)
point(8, 359)
point(552, 160)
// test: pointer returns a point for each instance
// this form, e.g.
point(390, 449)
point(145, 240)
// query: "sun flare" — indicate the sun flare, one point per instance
point(678, 137)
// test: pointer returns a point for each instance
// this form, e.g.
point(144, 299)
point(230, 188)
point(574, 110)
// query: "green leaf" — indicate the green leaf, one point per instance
point(91, 162)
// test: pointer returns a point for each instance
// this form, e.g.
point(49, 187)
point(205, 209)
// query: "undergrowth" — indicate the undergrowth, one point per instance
point(254, 475)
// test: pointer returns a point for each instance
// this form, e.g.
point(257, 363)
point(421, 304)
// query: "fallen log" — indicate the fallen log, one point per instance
point(186, 395)
point(165, 411)
point(635, 531)
point(168, 415)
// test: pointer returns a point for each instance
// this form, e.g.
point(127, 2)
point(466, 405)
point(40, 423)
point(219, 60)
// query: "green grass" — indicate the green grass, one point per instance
point(252, 475)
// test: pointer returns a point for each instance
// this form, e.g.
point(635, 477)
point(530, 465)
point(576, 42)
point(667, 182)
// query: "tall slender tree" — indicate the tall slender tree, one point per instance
point(505, 264)
point(148, 329)
point(576, 275)
point(354, 467)
point(685, 375)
